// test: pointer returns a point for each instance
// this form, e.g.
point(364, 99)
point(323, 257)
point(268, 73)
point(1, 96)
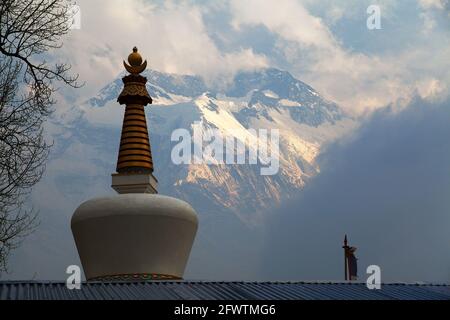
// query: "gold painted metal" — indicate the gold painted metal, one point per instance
point(135, 60)
point(135, 154)
point(134, 140)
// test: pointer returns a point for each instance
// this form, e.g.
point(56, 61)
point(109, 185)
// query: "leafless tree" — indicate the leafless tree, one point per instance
point(29, 30)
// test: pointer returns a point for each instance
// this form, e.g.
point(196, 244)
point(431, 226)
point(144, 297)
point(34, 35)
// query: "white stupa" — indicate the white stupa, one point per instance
point(137, 234)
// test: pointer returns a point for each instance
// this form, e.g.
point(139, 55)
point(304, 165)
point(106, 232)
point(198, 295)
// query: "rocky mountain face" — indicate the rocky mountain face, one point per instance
point(267, 99)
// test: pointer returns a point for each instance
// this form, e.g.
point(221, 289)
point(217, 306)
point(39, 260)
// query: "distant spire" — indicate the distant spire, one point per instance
point(350, 261)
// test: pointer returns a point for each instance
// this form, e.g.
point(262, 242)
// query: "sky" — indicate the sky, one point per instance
point(386, 185)
point(324, 43)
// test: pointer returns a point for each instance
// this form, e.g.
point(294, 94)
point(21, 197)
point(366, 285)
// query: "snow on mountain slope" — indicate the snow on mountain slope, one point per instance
point(265, 99)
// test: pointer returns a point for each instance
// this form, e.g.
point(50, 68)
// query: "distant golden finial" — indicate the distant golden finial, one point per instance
point(135, 60)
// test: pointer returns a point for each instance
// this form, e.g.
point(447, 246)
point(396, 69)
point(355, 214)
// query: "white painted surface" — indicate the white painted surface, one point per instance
point(134, 234)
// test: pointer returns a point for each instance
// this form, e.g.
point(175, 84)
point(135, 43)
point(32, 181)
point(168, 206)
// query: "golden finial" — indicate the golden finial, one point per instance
point(135, 63)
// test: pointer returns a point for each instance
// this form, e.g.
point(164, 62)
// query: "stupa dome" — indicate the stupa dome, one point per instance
point(134, 235)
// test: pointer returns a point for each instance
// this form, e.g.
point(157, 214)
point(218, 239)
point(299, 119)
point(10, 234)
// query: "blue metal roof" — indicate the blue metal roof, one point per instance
point(187, 290)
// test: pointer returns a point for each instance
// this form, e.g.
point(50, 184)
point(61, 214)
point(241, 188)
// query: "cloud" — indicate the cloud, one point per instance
point(430, 88)
point(427, 4)
point(171, 36)
point(431, 11)
point(287, 18)
point(358, 80)
point(179, 37)
point(387, 188)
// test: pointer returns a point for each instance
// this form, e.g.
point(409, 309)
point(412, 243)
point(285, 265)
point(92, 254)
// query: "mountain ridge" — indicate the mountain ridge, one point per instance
point(264, 99)
point(231, 200)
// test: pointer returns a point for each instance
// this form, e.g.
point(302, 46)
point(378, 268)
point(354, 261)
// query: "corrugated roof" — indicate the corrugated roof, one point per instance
point(188, 290)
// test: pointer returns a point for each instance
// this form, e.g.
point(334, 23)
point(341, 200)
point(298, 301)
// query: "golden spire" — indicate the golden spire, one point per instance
point(135, 156)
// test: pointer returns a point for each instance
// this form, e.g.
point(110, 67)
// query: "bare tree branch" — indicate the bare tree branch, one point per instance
point(28, 29)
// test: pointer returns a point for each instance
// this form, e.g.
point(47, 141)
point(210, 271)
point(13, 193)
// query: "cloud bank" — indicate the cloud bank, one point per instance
point(312, 37)
point(388, 189)
point(172, 36)
point(324, 43)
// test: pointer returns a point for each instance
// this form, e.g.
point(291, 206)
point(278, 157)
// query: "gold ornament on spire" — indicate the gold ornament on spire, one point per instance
point(135, 63)
point(135, 156)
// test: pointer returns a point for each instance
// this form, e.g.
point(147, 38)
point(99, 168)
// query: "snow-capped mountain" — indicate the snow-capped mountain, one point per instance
point(229, 198)
point(267, 99)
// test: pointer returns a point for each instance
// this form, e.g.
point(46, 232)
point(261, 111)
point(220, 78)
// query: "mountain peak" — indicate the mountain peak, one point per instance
point(259, 92)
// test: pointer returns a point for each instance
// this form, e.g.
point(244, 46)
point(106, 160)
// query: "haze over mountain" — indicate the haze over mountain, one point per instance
point(228, 198)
